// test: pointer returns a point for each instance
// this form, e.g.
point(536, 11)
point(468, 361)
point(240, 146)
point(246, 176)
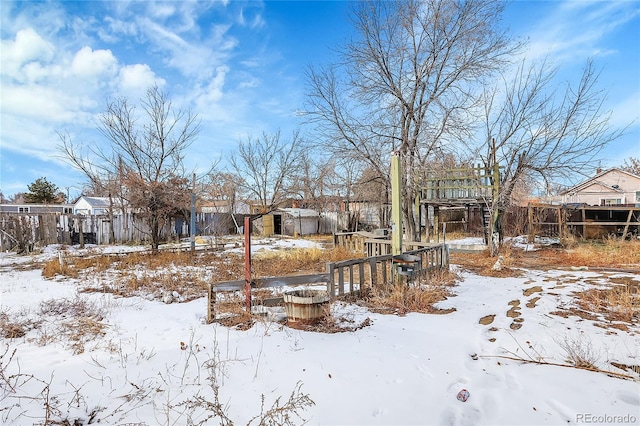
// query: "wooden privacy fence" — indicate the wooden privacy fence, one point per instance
point(23, 231)
point(345, 277)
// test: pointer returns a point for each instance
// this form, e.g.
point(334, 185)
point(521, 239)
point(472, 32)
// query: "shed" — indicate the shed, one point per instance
point(296, 221)
point(289, 221)
point(91, 205)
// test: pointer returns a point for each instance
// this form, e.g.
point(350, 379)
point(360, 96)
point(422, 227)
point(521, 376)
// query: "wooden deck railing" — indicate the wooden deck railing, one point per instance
point(355, 274)
point(347, 276)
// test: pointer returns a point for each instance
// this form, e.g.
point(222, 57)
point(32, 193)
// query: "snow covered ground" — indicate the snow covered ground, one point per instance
point(152, 363)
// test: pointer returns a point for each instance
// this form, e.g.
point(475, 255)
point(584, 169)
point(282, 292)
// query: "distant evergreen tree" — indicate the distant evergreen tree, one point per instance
point(42, 191)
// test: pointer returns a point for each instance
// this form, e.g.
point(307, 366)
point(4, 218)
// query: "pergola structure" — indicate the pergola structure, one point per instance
point(471, 188)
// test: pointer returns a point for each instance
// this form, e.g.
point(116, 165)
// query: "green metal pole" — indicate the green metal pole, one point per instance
point(495, 217)
point(396, 205)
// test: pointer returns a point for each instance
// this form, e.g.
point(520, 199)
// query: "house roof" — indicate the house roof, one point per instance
point(96, 201)
point(596, 181)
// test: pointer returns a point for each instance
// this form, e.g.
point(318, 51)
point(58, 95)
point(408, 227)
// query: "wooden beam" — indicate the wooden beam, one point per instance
point(626, 227)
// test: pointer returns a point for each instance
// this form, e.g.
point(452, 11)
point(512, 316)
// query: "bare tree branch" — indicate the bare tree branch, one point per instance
point(142, 164)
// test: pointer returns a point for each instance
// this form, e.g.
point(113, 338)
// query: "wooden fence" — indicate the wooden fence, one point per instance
point(345, 277)
point(22, 231)
point(582, 221)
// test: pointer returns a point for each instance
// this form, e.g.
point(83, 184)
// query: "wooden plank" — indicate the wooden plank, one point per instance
point(331, 286)
point(272, 301)
point(228, 286)
point(373, 268)
point(351, 279)
point(594, 223)
point(290, 280)
point(385, 264)
point(626, 227)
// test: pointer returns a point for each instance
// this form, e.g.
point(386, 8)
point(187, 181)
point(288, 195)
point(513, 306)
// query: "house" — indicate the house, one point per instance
point(611, 187)
point(92, 205)
point(36, 208)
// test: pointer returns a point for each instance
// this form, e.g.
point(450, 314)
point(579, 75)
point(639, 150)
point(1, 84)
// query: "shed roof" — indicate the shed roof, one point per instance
point(96, 201)
point(296, 212)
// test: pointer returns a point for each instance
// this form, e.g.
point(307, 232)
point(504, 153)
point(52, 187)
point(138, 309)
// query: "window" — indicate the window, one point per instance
point(611, 201)
point(67, 210)
point(637, 196)
point(23, 209)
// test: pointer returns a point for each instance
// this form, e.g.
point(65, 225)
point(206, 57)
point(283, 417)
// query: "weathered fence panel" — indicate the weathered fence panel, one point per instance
point(344, 277)
point(23, 231)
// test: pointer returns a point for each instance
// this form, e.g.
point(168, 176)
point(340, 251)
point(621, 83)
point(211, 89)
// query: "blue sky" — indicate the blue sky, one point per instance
point(241, 67)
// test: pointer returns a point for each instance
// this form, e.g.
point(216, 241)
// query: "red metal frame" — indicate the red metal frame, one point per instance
point(247, 262)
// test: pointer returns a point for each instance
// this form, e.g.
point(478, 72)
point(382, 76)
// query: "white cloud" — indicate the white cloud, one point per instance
point(575, 30)
point(192, 59)
point(45, 103)
point(136, 79)
point(251, 16)
point(28, 46)
point(90, 63)
point(209, 96)
point(161, 10)
point(115, 29)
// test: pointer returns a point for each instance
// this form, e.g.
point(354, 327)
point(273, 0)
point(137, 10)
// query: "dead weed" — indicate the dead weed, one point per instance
point(615, 303)
point(400, 299)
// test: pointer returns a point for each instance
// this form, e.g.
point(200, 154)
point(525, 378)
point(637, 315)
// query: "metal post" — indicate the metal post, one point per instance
point(247, 262)
point(396, 205)
point(193, 216)
point(494, 230)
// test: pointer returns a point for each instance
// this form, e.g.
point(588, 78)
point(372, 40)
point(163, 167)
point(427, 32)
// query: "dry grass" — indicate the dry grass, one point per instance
point(605, 253)
point(484, 264)
point(180, 272)
point(72, 266)
point(400, 299)
point(73, 322)
point(617, 303)
point(13, 326)
point(579, 352)
point(77, 321)
point(608, 253)
point(332, 324)
point(285, 262)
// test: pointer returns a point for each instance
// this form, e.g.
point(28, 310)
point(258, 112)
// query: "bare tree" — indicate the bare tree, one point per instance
point(222, 186)
point(222, 194)
point(407, 82)
point(312, 184)
point(147, 159)
point(632, 165)
point(545, 131)
point(265, 167)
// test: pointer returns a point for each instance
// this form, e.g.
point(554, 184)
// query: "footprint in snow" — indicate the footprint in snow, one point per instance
point(629, 398)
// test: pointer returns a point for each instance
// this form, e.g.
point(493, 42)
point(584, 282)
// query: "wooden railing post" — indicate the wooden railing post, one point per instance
point(331, 285)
